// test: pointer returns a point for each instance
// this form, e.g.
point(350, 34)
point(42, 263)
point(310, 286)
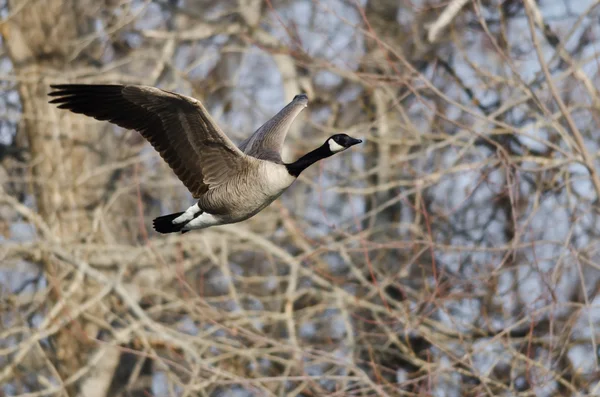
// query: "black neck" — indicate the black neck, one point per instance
point(308, 159)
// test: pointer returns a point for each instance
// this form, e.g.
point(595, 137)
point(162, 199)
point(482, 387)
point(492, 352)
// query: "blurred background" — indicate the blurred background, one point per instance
point(454, 253)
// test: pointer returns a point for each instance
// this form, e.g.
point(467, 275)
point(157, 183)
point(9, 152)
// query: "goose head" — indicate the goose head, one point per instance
point(340, 142)
point(334, 144)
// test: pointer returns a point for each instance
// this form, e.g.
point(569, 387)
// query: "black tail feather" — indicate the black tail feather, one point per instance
point(164, 224)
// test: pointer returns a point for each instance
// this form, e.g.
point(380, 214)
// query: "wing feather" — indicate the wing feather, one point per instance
point(178, 127)
point(267, 142)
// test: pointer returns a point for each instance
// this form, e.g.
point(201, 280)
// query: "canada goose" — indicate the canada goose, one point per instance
point(231, 184)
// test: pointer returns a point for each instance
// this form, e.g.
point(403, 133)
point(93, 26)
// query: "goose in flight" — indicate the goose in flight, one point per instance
point(230, 183)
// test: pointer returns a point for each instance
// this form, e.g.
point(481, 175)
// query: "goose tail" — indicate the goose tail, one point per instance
point(164, 224)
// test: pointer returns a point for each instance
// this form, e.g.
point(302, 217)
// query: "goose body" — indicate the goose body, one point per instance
point(230, 183)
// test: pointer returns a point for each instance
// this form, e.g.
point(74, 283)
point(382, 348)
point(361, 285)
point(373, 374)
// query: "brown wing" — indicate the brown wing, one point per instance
point(267, 142)
point(178, 127)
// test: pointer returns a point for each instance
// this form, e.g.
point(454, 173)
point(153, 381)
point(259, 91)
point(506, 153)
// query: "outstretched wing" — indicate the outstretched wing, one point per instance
point(177, 126)
point(267, 142)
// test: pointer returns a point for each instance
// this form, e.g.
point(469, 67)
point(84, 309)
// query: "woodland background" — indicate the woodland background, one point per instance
point(455, 253)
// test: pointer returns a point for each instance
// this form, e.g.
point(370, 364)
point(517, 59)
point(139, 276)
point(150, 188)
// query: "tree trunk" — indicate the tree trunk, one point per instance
point(40, 38)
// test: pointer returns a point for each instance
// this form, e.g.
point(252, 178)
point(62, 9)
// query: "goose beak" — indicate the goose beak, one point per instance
point(354, 141)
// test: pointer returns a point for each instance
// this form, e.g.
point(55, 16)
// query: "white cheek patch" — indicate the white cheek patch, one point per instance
point(335, 147)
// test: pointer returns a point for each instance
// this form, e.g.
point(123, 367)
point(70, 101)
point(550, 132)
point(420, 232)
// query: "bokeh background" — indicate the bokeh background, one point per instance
point(455, 253)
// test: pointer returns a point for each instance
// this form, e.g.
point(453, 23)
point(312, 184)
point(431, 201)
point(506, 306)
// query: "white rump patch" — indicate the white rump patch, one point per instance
point(335, 147)
point(187, 215)
point(202, 221)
